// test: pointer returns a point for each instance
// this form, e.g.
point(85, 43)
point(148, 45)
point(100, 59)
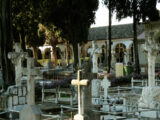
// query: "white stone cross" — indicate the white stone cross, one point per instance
point(31, 72)
point(94, 51)
point(17, 57)
point(105, 84)
point(79, 83)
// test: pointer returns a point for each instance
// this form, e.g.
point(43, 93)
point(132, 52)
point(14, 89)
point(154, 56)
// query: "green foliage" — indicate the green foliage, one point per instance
point(145, 9)
point(51, 33)
point(72, 17)
point(25, 20)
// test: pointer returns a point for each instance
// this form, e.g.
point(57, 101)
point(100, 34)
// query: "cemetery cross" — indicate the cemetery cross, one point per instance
point(79, 83)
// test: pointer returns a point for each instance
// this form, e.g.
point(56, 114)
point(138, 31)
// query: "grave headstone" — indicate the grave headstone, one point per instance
point(87, 94)
point(151, 95)
point(79, 83)
point(31, 111)
point(119, 69)
point(105, 85)
point(17, 58)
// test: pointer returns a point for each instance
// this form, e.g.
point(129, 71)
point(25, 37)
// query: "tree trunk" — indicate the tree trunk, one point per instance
point(109, 37)
point(35, 51)
point(75, 52)
point(6, 42)
point(135, 43)
point(22, 41)
point(54, 55)
point(67, 53)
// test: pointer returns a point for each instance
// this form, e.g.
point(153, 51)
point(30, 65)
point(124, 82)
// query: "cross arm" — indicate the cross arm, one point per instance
point(82, 82)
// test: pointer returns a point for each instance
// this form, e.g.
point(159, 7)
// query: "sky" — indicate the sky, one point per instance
point(102, 17)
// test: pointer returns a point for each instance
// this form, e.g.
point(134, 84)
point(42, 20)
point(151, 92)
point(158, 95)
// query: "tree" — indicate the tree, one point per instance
point(53, 38)
point(72, 17)
point(6, 42)
point(25, 20)
point(138, 9)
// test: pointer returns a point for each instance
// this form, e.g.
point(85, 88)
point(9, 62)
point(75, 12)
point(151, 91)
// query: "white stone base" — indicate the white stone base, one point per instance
point(105, 107)
point(30, 112)
point(149, 98)
point(111, 117)
point(149, 114)
point(78, 117)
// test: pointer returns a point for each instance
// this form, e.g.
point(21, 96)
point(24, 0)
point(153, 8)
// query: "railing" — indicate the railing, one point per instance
point(143, 82)
point(17, 95)
point(3, 103)
point(58, 95)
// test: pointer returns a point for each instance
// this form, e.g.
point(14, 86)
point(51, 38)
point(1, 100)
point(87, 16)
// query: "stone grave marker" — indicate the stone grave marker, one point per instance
point(152, 46)
point(119, 69)
point(94, 51)
point(31, 111)
point(105, 85)
point(151, 95)
point(79, 83)
point(96, 83)
point(17, 58)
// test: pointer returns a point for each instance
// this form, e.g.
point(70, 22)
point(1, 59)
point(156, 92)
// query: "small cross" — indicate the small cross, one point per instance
point(79, 83)
point(105, 84)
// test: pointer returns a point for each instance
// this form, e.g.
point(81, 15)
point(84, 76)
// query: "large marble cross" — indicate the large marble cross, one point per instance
point(94, 51)
point(17, 58)
point(152, 46)
point(31, 72)
point(79, 83)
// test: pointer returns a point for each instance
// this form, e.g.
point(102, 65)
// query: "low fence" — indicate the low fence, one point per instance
point(139, 83)
point(17, 95)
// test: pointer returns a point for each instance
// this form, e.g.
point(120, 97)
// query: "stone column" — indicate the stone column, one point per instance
point(126, 57)
point(151, 69)
point(113, 61)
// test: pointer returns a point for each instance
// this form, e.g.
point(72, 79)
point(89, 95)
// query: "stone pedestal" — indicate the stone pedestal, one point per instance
point(78, 117)
point(119, 69)
point(149, 98)
point(95, 91)
point(30, 112)
point(105, 84)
